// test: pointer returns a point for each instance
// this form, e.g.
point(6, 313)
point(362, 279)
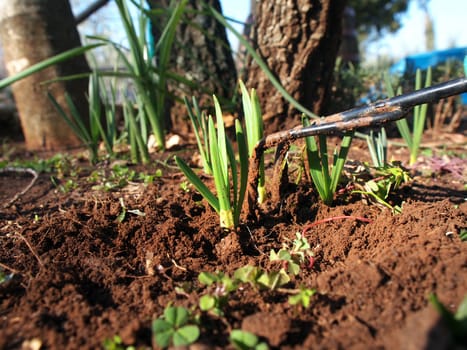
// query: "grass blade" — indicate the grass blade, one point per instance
point(243, 157)
point(339, 164)
point(199, 185)
point(220, 174)
point(47, 63)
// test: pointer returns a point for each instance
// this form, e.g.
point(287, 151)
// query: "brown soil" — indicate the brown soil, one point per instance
point(79, 276)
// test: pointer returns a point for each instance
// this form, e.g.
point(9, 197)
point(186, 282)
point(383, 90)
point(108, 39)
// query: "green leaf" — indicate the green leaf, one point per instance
point(199, 126)
point(208, 278)
point(243, 156)
point(176, 315)
point(247, 274)
point(185, 335)
point(207, 302)
point(199, 185)
point(336, 172)
point(219, 158)
point(303, 297)
point(461, 313)
point(47, 63)
point(243, 340)
point(163, 332)
point(274, 279)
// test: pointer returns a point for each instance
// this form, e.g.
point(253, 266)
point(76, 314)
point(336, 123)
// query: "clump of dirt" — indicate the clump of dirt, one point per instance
point(79, 274)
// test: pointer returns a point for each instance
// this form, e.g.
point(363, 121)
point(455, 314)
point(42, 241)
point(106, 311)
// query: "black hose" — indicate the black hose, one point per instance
point(382, 111)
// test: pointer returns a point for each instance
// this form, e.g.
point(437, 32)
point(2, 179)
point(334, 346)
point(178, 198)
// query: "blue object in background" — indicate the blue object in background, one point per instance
point(430, 59)
point(464, 96)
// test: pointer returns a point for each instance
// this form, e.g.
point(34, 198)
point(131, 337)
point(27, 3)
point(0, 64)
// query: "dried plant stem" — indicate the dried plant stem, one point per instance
point(30, 248)
point(32, 172)
point(6, 267)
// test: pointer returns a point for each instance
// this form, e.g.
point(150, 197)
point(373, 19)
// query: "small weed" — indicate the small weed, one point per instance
point(118, 177)
point(115, 343)
point(261, 279)
point(293, 256)
point(121, 217)
point(303, 297)
point(223, 286)
point(175, 328)
point(385, 180)
point(185, 186)
point(243, 340)
point(65, 187)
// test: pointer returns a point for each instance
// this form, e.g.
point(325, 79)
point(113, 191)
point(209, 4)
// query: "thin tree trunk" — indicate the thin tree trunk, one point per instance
point(32, 31)
point(299, 40)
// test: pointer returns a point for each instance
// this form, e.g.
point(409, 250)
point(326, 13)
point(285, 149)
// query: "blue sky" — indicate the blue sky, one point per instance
point(449, 22)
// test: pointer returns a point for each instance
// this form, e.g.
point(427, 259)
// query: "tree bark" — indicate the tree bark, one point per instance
point(299, 40)
point(32, 31)
point(202, 55)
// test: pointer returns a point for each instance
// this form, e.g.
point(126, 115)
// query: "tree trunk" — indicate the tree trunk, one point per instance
point(202, 55)
point(299, 41)
point(32, 31)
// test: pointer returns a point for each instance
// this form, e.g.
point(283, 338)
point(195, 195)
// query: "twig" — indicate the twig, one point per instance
point(28, 187)
point(30, 248)
point(177, 265)
point(6, 267)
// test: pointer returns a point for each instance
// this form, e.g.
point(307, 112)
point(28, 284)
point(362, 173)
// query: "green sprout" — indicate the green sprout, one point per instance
point(378, 146)
point(200, 122)
point(230, 191)
point(387, 179)
point(254, 132)
point(121, 217)
point(92, 136)
point(115, 343)
point(457, 322)
point(463, 234)
point(136, 133)
point(294, 256)
point(326, 181)
point(243, 340)
point(175, 328)
point(412, 138)
point(150, 81)
point(302, 297)
point(216, 301)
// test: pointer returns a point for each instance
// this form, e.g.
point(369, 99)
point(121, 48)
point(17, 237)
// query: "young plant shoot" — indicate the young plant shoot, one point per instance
point(378, 147)
point(412, 138)
point(97, 132)
point(326, 181)
point(230, 192)
point(199, 120)
point(254, 132)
